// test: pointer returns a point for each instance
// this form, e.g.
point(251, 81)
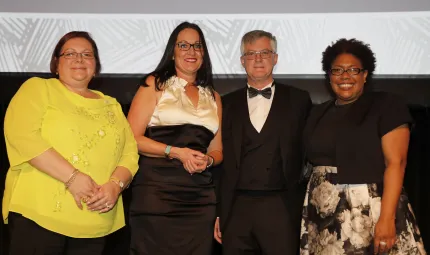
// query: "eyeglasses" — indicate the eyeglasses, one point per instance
point(186, 46)
point(74, 55)
point(351, 71)
point(251, 55)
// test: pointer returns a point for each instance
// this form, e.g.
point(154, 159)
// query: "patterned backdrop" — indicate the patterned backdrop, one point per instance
point(134, 43)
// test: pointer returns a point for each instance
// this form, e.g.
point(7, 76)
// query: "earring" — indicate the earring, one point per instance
point(173, 58)
point(56, 73)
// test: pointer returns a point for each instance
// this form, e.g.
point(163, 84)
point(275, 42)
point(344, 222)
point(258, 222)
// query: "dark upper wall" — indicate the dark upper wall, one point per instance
point(415, 90)
point(210, 7)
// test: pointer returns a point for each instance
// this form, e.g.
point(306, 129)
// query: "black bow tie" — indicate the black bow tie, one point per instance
point(252, 92)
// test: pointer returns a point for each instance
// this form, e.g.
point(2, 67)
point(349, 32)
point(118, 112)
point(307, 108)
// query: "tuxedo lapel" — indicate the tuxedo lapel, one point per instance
point(274, 116)
point(241, 112)
point(282, 108)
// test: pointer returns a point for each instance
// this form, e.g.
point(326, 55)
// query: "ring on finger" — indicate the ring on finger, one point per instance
point(382, 243)
point(108, 206)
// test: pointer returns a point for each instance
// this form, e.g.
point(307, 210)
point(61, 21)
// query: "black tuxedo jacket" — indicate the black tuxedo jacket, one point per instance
point(290, 106)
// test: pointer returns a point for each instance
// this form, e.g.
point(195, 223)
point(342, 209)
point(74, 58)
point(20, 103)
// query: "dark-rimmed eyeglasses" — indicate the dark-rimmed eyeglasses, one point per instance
point(351, 71)
point(251, 55)
point(198, 46)
point(74, 55)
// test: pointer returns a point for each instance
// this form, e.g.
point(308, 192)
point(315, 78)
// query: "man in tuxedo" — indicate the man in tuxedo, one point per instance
point(260, 200)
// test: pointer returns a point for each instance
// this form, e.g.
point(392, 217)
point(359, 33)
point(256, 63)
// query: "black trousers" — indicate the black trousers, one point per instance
point(30, 239)
point(260, 224)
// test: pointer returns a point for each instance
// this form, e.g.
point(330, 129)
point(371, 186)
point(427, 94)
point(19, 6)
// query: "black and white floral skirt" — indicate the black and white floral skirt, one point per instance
point(340, 218)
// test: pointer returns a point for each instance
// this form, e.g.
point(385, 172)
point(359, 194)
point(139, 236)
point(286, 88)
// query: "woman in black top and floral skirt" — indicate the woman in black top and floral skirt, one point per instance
point(357, 144)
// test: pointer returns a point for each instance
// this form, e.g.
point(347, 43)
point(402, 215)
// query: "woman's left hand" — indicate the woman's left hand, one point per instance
point(198, 169)
point(105, 198)
point(385, 235)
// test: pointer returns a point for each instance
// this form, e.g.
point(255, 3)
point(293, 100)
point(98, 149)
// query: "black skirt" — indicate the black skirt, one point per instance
point(173, 212)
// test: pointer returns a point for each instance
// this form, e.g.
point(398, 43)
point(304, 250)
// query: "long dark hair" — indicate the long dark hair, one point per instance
point(166, 68)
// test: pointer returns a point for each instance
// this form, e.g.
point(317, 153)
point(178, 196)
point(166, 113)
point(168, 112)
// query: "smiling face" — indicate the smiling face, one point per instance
point(188, 61)
point(80, 70)
point(258, 69)
point(347, 87)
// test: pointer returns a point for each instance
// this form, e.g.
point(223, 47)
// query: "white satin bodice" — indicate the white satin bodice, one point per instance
point(175, 108)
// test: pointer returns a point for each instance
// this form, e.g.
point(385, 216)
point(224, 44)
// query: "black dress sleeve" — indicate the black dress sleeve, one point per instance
point(394, 113)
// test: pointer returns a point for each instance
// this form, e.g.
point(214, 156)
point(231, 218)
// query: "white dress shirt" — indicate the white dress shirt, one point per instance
point(259, 108)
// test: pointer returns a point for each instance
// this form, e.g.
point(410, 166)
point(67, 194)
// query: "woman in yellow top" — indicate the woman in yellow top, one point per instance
point(71, 153)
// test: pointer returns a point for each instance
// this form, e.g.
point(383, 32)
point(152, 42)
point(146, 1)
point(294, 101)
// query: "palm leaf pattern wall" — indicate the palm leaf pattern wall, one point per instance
point(134, 43)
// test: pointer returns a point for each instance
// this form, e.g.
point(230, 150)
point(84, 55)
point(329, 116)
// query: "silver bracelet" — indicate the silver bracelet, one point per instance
point(211, 163)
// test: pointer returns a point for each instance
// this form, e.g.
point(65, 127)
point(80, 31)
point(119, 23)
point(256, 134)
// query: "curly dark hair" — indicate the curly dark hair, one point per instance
point(354, 47)
point(166, 67)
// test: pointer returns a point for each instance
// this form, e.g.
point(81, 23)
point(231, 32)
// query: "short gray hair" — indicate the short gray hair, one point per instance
point(254, 35)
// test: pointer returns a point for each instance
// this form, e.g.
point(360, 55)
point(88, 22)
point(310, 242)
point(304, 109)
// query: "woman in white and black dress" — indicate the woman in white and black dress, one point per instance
point(175, 117)
point(357, 144)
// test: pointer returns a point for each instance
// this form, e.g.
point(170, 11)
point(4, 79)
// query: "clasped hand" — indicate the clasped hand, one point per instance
point(193, 161)
point(101, 198)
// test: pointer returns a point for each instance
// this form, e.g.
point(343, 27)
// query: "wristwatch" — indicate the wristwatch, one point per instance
point(118, 181)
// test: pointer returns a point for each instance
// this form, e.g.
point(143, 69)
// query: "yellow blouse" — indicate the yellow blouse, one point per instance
point(92, 134)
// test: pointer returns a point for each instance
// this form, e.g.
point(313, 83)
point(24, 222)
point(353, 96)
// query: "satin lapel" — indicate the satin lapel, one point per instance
point(276, 115)
point(241, 111)
point(281, 105)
